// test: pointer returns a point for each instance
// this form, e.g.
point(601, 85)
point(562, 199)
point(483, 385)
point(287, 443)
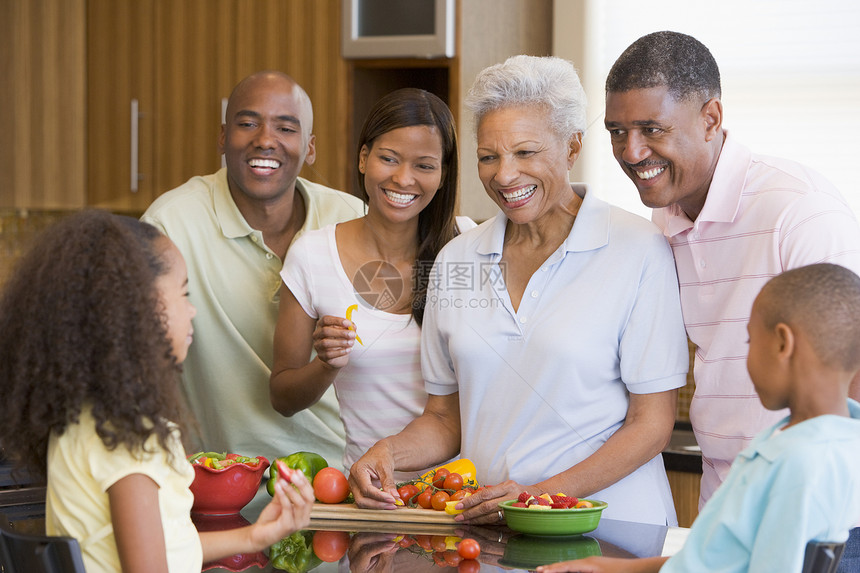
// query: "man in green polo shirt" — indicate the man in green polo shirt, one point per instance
point(233, 228)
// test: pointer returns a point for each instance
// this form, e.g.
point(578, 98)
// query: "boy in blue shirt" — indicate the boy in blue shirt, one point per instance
point(800, 480)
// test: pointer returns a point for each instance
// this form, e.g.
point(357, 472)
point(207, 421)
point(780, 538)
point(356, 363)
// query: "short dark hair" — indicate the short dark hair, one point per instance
point(409, 107)
point(678, 61)
point(823, 301)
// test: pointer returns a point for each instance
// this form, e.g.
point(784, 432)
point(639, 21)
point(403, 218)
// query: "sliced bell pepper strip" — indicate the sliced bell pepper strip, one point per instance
point(349, 312)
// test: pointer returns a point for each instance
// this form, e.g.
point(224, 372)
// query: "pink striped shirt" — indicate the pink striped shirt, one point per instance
point(762, 216)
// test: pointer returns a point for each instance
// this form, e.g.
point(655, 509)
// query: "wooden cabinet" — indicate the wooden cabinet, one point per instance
point(685, 491)
point(76, 66)
point(179, 61)
point(42, 106)
point(121, 71)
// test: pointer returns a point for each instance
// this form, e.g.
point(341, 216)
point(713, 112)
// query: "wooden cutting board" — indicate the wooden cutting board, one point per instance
point(351, 512)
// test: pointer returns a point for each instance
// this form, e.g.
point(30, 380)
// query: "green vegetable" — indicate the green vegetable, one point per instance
point(308, 463)
point(210, 455)
point(295, 553)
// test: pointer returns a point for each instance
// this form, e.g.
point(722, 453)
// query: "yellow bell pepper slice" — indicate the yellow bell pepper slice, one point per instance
point(349, 311)
point(463, 466)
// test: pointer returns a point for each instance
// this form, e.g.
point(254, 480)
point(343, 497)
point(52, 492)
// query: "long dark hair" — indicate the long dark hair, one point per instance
point(81, 325)
point(408, 107)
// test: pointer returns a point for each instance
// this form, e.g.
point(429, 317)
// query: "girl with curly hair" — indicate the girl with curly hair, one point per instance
point(94, 326)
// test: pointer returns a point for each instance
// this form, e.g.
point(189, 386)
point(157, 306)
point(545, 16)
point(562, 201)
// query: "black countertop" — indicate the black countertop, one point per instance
point(683, 453)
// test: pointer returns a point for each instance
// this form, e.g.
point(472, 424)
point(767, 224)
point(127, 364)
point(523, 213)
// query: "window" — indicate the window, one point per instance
point(790, 75)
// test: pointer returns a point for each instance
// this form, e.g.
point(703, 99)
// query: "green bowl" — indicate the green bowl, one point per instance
point(528, 552)
point(553, 521)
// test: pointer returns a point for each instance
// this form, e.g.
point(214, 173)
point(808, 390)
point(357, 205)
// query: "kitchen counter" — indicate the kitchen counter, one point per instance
point(683, 453)
point(395, 547)
point(392, 546)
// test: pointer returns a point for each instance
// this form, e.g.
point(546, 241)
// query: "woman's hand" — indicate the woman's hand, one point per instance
point(333, 339)
point(297, 382)
point(371, 479)
point(372, 552)
point(482, 507)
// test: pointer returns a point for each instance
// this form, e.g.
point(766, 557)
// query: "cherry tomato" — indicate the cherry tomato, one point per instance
point(453, 481)
point(437, 542)
point(439, 477)
point(330, 546)
point(424, 499)
point(469, 549)
point(452, 558)
point(330, 485)
point(460, 494)
point(469, 566)
point(439, 559)
point(407, 492)
point(423, 542)
point(439, 499)
point(406, 542)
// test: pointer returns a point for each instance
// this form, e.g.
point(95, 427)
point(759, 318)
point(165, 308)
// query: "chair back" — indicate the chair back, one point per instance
point(26, 553)
point(822, 556)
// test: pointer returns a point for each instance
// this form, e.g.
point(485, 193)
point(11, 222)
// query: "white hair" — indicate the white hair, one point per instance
point(548, 82)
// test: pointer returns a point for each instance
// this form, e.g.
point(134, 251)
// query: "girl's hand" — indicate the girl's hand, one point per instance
point(289, 511)
point(333, 340)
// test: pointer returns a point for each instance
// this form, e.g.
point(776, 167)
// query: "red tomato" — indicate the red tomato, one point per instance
point(468, 566)
point(439, 477)
point(469, 549)
point(330, 546)
point(452, 558)
point(407, 492)
point(437, 542)
point(423, 542)
point(460, 494)
point(424, 499)
point(439, 499)
point(330, 485)
point(453, 481)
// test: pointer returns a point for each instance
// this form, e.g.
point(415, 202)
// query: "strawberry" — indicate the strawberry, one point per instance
point(566, 501)
point(538, 501)
point(519, 504)
point(524, 497)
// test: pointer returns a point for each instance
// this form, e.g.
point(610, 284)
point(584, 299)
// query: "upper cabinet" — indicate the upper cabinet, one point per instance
point(160, 73)
point(110, 103)
point(42, 108)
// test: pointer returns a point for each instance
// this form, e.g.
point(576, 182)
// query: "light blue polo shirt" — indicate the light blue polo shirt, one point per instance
point(782, 491)
point(543, 387)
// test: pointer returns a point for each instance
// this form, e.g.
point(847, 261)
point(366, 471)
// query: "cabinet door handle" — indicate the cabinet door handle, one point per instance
point(135, 120)
point(223, 121)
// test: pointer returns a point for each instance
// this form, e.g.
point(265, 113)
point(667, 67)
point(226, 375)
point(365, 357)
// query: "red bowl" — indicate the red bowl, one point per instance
point(225, 491)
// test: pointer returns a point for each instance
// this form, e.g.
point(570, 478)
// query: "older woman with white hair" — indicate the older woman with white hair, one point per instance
point(553, 343)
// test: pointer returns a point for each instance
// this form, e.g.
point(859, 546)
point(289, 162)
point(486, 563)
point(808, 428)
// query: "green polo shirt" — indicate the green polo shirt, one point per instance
point(234, 284)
